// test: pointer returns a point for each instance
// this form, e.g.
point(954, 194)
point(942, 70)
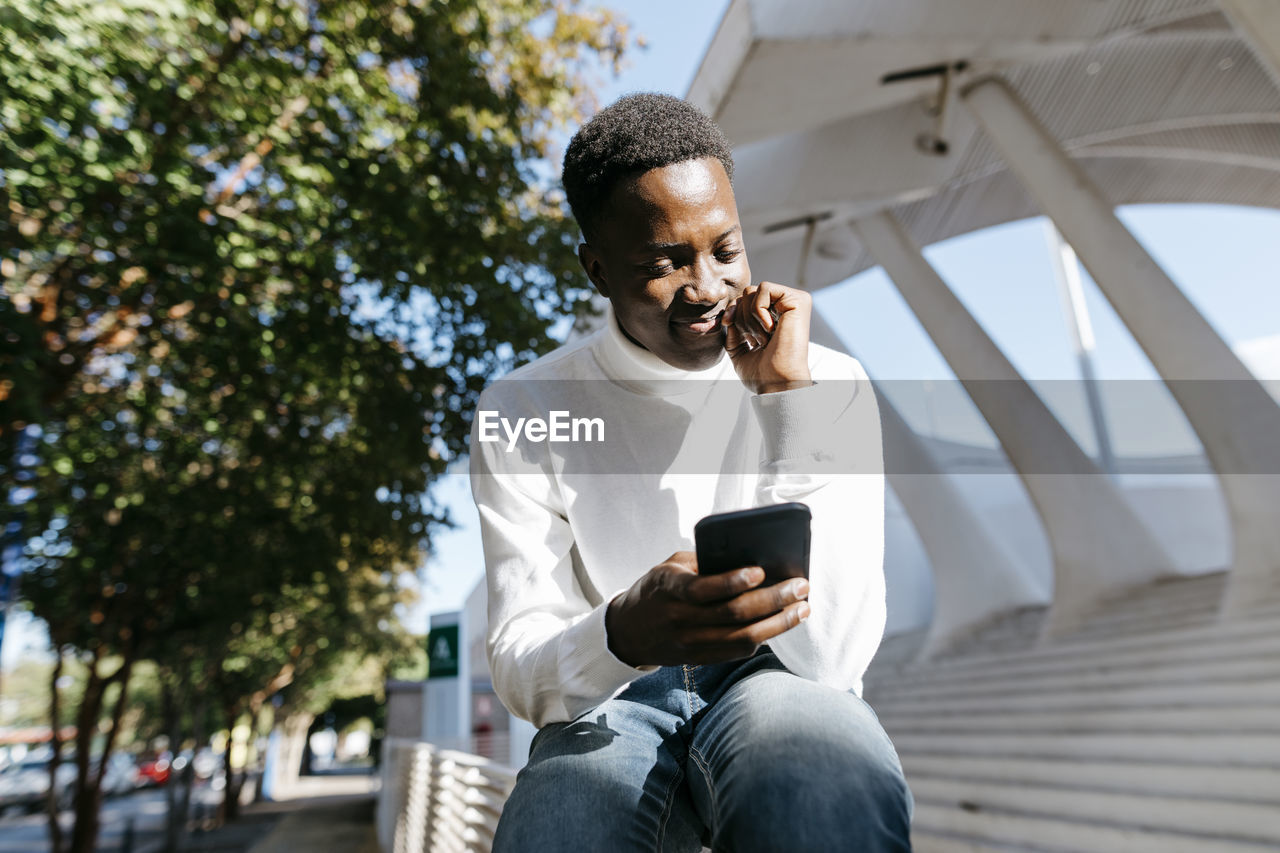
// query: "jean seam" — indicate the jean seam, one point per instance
point(880, 729)
point(688, 688)
point(667, 803)
point(711, 791)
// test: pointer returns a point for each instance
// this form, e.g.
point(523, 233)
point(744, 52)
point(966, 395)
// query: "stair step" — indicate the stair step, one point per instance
point(1168, 602)
point(1203, 748)
point(1143, 621)
point(1037, 832)
point(1146, 608)
point(1249, 646)
point(900, 649)
point(1140, 625)
point(1164, 600)
point(1100, 678)
point(1017, 630)
point(924, 841)
point(1172, 591)
point(1153, 726)
point(1135, 696)
point(1247, 784)
point(1190, 815)
point(1124, 624)
point(1066, 648)
point(1238, 719)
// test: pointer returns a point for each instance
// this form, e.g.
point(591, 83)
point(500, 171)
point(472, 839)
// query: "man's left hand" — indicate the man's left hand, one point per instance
point(767, 337)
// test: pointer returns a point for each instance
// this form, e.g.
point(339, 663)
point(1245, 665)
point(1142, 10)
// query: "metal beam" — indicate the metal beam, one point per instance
point(1099, 545)
point(1237, 421)
point(974, 580)
point(1258, 23)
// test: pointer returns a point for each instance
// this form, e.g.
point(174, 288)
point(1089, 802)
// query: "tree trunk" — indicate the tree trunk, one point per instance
point(257, 736)
point(84, 834)
point(173, 819)
point(55, 828)
point(199, 736)
point(230, 808)
point(296, 727)
point(85, 829)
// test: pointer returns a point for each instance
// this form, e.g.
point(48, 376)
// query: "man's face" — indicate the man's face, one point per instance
point(668, 254)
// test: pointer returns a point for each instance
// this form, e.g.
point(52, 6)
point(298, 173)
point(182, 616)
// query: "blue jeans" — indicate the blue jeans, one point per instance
point(741, 756)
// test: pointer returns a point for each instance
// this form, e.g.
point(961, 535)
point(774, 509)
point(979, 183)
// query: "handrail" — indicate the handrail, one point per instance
point(439, 800)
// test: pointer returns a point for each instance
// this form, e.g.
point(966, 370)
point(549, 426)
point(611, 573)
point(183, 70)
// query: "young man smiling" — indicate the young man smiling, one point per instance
point(677, 709)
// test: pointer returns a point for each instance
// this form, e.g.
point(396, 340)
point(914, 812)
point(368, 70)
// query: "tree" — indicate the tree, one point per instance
point(258, 260)
point(26, 694)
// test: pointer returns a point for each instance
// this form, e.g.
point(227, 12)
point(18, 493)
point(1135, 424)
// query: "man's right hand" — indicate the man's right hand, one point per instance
point(672, 615)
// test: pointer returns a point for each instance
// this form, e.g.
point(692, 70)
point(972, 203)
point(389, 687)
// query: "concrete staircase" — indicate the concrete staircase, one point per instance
point(1154, 727)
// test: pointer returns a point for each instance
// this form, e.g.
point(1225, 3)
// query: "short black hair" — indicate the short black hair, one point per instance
point(634, 134)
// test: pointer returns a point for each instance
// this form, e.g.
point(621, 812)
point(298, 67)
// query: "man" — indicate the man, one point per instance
point(677, 709)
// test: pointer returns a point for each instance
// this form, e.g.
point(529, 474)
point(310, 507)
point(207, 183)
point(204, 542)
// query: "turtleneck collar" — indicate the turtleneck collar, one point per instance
point(640, 370)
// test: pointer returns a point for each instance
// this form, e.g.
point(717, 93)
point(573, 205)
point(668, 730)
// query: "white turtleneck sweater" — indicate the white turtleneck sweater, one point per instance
point(569, 525)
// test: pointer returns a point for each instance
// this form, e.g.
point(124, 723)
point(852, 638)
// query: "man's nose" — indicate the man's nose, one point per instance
point(706, 286)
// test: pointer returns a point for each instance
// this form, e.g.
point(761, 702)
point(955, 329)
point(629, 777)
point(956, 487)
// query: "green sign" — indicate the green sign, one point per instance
point(442, 652)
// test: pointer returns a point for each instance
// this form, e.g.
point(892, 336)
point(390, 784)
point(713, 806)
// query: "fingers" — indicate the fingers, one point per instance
point(744, 316)
point(708, 589)
point(716, 643)
point(756, 604)
point(761, 312)
point(673, 615)
point(735, 342)
point(752, 318)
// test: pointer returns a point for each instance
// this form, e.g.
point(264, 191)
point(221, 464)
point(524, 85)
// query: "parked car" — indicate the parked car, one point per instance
point(155, 771)
point(121, 776)
point(26, 783)
point(206, 763)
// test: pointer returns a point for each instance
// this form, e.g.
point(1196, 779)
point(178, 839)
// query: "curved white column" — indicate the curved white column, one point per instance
point(1098, 543)
point(974, 580)
point(1237, 421)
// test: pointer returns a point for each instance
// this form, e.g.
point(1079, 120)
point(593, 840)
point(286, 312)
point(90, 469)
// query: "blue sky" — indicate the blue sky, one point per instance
point(1224, 259)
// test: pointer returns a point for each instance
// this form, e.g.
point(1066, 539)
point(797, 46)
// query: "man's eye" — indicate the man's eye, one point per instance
point(656, 269)
point(727, 255)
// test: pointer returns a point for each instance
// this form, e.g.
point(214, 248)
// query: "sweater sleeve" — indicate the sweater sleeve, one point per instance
point(822, 447)
point(548, 656)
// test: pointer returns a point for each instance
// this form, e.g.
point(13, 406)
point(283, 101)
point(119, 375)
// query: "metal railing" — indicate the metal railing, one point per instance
point(438, 800)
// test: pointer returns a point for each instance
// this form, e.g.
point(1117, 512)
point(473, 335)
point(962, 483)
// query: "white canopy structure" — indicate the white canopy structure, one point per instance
point(1158, 100)
point(865, 129)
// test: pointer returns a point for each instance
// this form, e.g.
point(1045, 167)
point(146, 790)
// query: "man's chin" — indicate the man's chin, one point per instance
point(695, 359)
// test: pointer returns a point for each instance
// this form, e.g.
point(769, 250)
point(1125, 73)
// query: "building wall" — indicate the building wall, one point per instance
point(404, 709)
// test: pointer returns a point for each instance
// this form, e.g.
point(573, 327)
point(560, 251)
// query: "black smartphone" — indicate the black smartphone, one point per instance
point(775, 538)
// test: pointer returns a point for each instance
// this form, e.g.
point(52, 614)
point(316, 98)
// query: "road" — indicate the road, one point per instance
point(23, 833)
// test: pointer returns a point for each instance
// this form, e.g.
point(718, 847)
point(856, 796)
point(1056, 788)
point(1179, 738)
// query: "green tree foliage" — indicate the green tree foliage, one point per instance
point(259, 259)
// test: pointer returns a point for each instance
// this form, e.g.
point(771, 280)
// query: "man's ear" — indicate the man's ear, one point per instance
point(593, 266)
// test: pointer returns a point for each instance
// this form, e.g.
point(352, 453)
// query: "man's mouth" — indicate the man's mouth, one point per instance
point(700, 325)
